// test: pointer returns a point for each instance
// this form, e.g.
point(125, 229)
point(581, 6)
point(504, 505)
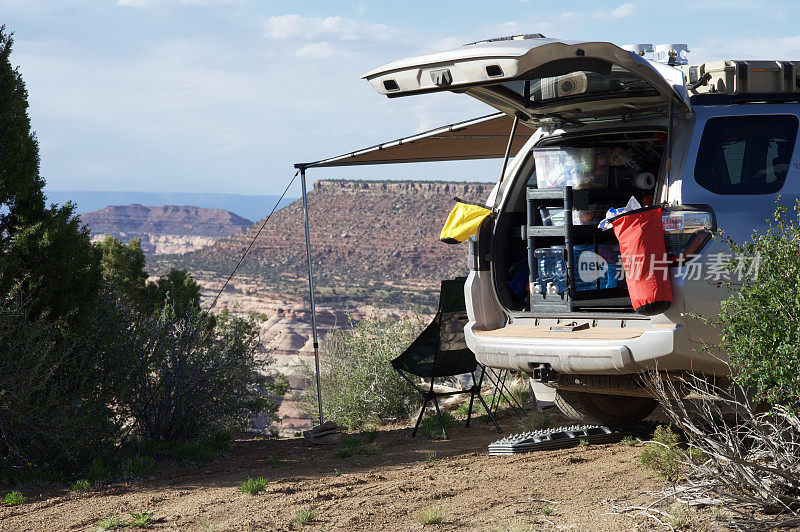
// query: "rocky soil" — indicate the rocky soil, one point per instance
point(387, 488)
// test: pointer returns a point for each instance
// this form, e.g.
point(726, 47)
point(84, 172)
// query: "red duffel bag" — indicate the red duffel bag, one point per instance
point(641, 247)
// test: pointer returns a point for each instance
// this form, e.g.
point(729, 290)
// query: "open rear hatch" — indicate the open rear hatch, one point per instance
point(540, 80)
point(555, 83)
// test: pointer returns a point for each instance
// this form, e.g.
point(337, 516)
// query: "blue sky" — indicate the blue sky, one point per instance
point(224, 95)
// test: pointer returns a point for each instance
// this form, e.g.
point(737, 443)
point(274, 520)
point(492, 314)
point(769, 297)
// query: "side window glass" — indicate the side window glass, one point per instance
point(742, 155)
point(734, 157)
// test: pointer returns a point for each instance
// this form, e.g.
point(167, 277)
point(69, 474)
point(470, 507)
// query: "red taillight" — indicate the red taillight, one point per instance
point(686, 232)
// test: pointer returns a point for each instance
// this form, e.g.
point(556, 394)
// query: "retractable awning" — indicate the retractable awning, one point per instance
point(485, 137)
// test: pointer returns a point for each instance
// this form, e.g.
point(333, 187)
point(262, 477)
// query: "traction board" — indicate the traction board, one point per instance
point(561, 437)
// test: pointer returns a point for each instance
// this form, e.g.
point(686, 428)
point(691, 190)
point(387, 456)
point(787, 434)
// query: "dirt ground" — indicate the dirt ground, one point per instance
point(568, 489)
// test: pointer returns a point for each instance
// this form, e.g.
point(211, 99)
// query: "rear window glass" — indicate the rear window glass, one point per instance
point(742, 155)
point(581, 84)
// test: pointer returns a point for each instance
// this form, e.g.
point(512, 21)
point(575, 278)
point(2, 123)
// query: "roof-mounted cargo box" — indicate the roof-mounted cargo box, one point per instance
point(742, 77)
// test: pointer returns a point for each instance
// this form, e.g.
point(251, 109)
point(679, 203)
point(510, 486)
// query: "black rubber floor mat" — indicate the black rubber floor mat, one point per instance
point(562, 437)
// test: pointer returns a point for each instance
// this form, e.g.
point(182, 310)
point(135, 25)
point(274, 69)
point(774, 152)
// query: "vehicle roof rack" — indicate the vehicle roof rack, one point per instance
point(753, 97)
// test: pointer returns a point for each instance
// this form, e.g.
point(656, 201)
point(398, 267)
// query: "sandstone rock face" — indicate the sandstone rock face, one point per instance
point(361, 232)
point(168, 229)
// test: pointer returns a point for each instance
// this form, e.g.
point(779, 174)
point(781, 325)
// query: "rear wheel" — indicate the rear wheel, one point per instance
point(596, 408)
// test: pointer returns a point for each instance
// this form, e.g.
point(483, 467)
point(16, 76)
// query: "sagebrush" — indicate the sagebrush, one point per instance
point(193, 374)
point(760, 322)
point(359, 385)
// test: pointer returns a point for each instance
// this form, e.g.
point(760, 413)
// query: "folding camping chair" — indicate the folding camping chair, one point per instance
point(497, 379)
point(440, 351)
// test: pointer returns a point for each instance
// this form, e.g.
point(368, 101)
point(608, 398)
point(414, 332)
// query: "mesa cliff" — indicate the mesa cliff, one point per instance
point(166, 229)
point(378, 234)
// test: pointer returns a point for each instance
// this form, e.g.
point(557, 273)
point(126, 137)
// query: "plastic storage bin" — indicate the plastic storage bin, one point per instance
point(552, 216)
point(591, 216)
point(579, 168)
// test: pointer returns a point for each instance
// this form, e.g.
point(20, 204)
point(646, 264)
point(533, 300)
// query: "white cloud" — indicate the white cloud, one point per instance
point(317, 50)
point(150, 3)
point(623, 10)
point(335, 28)
point(769, 49)
point(448, 43)
point(134, 3)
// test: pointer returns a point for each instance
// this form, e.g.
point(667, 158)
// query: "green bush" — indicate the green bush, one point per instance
point(55, 397)
point(86, 346)
point(123, 266)
point(138, 466)
point(14, 498)
point(433, 515)
point(141, 519)
point(760, 321)
point(81, 484)
point(660, 455)
point(357, 379)
point(253, 486)
point(97, 471)
point(191, 374)
point(112, 522)
point(201, 450)
point(431, 428)
point(305, 516)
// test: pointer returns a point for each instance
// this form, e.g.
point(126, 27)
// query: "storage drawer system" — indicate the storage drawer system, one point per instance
point(572, 264)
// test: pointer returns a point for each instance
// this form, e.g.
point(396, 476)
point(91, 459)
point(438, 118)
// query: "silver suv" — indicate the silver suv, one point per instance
point(713, 144)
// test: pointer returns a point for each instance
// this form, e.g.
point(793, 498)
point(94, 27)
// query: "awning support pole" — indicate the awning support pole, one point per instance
point(311, 291)
point(508, 147)
point(669, 139)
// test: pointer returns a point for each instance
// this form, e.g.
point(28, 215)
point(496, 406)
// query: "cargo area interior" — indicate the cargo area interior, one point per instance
point(540, 263)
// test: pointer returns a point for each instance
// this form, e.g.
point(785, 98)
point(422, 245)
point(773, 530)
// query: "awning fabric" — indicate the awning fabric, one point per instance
point(485, 137)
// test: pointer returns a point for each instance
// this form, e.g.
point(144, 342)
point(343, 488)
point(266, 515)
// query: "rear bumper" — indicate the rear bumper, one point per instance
point(654, 348)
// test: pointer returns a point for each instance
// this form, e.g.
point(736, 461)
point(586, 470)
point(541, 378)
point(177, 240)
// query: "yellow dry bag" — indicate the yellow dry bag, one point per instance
point(463, 221)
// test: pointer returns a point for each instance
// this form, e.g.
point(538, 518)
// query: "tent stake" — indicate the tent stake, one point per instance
point(311, 291)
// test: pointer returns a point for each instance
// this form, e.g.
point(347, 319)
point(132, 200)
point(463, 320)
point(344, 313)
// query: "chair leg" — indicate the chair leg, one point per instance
point(419, 419)
point(501, 385)
point(441, 421)
point(488, 372)
point(471, 399)
point(494, 396)
point(512, 400)
point(490, 414)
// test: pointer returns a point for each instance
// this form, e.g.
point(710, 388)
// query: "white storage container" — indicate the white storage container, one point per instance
point(575, 167)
